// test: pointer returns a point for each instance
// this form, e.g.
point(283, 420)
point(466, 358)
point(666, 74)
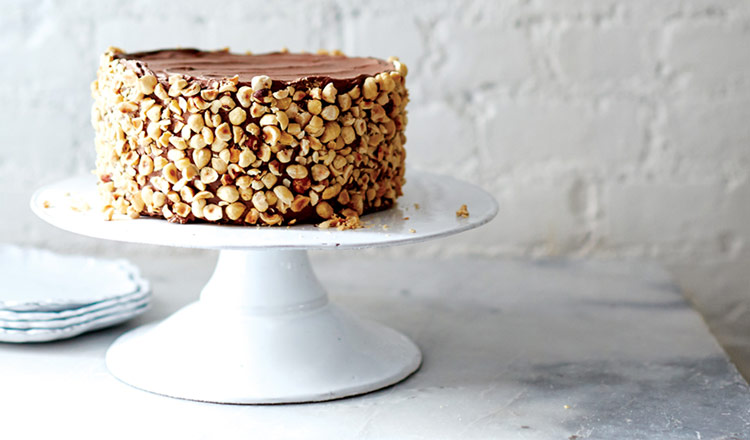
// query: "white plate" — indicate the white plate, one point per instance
point(43, 281)
point(50, 324)
point(144, 291)
point(427, 210)
point(45, 335)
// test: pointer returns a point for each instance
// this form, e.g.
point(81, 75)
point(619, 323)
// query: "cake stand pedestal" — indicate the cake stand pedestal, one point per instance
point(263, 330)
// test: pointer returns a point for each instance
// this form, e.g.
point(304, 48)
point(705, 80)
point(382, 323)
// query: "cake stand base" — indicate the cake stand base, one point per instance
point(263, 331)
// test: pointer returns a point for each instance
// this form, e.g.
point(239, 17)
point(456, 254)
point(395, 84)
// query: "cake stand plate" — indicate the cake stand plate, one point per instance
point(263, 330)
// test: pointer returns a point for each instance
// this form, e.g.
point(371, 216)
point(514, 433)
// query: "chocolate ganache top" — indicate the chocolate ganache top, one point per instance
point(284, 68)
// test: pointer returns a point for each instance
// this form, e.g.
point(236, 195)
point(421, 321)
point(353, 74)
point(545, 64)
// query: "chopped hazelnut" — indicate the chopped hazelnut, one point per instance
point(257, 110)
point(201, 157)
point(299, 203)
point(146, 165)
point(260, 82)
point(324, 210)
point(332, 131)
point(314, 106)
point(181, 209)
point(170, 173)
point(271, 135)
point(208, 175)
point(235, 210)
point(329, 93)
point(268, 119)
point(195, 122)
point(213, 212)
point(146, 84)
point(296, 171)
point(320, 172)
point(370, 88)
point(330, 113)
point(224, 132)
point(269, 180)
point(209, 94)
point(244, 95)
point(259, 201)
point(237, 116)
point(228, 193)
point(284, 194)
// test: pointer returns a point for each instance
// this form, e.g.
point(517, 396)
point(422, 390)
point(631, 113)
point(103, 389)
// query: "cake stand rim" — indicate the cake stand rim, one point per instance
point(324, 239)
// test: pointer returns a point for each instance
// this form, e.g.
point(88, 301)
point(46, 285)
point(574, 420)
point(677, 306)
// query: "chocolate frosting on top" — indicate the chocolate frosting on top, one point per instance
point(280, 67)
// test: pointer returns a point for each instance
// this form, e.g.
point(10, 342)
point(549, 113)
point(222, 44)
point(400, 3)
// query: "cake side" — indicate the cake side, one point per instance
point(190, 144)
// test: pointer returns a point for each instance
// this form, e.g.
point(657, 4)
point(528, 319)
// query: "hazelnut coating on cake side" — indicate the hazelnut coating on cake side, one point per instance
point(272, 139)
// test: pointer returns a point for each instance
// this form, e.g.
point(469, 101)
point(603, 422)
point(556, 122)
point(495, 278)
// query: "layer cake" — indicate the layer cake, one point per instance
point(270, 139)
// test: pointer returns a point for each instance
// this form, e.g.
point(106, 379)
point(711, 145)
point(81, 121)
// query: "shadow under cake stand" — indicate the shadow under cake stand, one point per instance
point(264, 330)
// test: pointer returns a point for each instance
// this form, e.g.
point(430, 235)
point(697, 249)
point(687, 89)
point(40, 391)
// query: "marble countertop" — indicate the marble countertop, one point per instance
point(512, 349)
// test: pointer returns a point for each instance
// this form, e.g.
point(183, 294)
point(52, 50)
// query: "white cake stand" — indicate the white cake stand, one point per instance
point(264, 330)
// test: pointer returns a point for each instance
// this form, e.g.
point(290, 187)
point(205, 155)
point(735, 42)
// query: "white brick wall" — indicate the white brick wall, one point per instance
point(603, 127)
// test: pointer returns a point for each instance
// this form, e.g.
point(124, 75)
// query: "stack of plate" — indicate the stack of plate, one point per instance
point(46, 296)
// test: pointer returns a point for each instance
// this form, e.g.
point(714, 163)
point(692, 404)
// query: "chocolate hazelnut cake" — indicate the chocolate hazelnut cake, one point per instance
point(270, 139)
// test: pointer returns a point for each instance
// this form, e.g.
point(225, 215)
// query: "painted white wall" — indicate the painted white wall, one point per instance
point(603, 127)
